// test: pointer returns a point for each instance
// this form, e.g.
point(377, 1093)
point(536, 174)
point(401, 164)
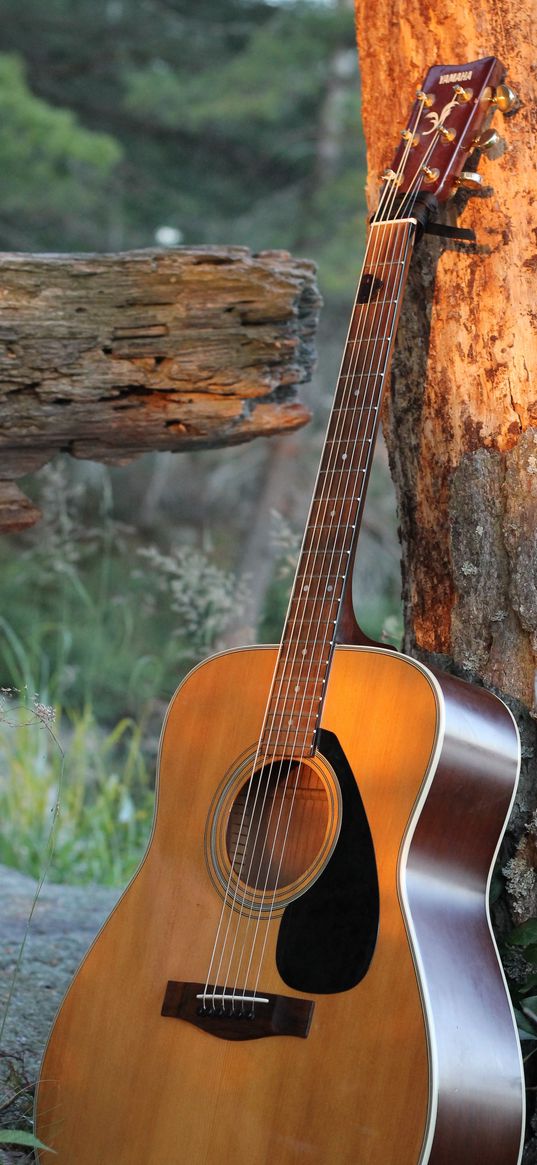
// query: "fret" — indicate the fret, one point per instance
point(361, 376)
point(314, 615)
point(294, 669)
point(309, 634)
point(310, 692)
point(313, 622)
point(334, 525)
point(335, 501)
point(355, 410)
point(340, 537)
point(386, 263)
point(331, 500)
point(340, 578)
point(344, 468)
point(351, 437)
point(368, 339)
point(331, 570)
point(295, 703)
point(306, 653)
point(313, 576)
point(308, 601)
point(303, 642)
point(347, 470)
point(373, 339)
point(340, 440)
point(374, 303)
point(289, 719)
point(321, 553)
point(366, 408)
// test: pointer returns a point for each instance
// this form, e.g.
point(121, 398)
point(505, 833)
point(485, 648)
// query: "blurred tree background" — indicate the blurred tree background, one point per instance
point(141, 123)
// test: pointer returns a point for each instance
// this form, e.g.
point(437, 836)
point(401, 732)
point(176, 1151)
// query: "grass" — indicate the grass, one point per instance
point(101, 630)
point(94, 635)
point(98, 783)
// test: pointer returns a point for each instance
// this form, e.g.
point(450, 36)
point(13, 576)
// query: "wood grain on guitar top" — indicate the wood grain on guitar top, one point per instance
point(123, 1085)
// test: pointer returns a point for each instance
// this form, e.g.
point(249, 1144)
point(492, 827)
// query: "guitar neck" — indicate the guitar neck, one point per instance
point(327, 552)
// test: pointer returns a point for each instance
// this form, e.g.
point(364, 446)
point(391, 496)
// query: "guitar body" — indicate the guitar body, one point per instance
point(411, 1056)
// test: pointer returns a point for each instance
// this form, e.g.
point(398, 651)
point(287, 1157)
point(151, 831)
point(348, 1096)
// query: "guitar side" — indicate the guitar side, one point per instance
point(376, 1081)
point(446, 865)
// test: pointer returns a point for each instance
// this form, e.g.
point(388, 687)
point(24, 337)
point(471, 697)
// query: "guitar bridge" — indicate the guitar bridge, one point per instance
point(237, 1015)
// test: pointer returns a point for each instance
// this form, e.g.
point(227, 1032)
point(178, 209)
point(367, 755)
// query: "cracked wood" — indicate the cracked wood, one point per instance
point(463, 403)
point(461, 418)
point(109, 356)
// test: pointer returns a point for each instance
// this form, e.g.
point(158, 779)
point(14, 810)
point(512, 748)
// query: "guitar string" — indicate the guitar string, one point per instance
point(278, 673)
point(402, 214)
point(319, 599)
point(357, 341)
point(385, 198)
point(365, 440)
point(365, 443)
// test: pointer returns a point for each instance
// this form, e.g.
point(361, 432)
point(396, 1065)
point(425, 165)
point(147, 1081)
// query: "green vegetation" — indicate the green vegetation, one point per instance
point(228, 121)
point(520, 954)
point(99, 665)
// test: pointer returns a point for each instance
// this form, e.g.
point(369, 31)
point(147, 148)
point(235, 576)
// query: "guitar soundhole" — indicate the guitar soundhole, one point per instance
point(271, 831)
point(277, 825)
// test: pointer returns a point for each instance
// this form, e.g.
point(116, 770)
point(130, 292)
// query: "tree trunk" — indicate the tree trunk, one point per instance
point(108, 356)
point(461, 418)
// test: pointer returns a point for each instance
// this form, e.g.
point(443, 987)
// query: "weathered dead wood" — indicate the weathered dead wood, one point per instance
point(461, 419)
point(109, 356)
point(461, 423)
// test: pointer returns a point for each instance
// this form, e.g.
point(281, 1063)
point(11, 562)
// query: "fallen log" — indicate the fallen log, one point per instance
point(109, 356)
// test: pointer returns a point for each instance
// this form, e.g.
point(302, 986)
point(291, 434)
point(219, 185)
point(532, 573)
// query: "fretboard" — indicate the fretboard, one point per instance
point(327, 554)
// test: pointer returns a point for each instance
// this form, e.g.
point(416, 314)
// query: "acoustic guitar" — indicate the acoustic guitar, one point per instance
point(302, 971)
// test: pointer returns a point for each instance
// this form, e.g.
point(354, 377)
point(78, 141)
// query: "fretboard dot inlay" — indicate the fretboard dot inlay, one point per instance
point(299, 687)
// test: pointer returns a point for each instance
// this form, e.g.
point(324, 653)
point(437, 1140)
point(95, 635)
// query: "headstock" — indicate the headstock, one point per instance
point(449, 119)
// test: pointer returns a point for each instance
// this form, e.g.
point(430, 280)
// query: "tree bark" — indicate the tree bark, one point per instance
point(461, 415)
point(109, 356)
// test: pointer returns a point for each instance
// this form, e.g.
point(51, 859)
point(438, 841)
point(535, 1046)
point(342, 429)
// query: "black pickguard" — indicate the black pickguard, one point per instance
point(327, 937)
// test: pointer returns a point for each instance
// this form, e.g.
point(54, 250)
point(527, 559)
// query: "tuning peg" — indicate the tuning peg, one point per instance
point(505, 99)
point(469, 180)
point(431, 173)
point(426, 98)
point(408, 136)
point(487, 140)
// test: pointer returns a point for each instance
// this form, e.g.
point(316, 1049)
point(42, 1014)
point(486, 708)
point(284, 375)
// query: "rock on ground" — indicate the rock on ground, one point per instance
point(64, 922)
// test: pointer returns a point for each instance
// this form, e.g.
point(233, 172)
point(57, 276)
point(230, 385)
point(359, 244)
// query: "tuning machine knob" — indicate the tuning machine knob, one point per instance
point(431, 174)
point(408, 136)
point(487, 140)
point(505, 99)
point(470, 180)
point(462, 94)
